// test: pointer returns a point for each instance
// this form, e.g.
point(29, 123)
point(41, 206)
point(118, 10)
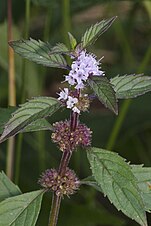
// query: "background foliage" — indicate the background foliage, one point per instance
point(126, 48)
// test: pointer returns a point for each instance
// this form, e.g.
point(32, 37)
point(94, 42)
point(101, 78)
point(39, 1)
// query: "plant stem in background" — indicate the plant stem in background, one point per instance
point(126, 104)
point(66, 20)
point(23, 88)
point(12, 91)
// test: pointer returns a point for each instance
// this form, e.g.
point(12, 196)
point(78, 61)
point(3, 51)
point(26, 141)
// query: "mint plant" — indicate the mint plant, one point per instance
point(126, 186)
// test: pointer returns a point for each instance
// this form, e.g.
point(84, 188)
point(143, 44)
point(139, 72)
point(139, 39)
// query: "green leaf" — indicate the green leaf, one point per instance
point(38, 52)
point(143, 176)
point(59, 48)
point(117, 181)
point(41, 124)
point(73, 41)
point(104, 91)
point(7, 187)
point(34, 109)
point(38, 125)
point(92, 34)
point(130, 86)
point(21, 210)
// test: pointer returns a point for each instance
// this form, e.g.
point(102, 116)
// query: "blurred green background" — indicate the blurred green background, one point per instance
point(126, 48)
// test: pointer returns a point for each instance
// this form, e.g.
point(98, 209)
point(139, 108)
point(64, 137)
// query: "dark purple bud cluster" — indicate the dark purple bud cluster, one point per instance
point(61, 185)
point(68, 140)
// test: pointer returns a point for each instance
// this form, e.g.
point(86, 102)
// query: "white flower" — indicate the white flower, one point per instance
point(70, 79)
point(71, 101)
point(80, 86)
point(63, 95)
point(75, 109)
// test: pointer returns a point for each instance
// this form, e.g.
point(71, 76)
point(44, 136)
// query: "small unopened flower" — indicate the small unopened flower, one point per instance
point(67, 184)
point(68, 140)
point(71, 102)
point(83, 103)
point(76, 110)
point(63, 95)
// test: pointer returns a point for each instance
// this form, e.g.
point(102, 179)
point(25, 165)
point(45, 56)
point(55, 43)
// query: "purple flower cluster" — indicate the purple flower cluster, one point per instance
point(61, 185)
point(68, 140)
point(84, 66)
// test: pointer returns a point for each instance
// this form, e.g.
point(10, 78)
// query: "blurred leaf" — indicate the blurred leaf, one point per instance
point(75, 5)
point(85, 215)
point(147, 5)
point(143, 175)
point(73, 41)
point(44, 2)
point(38, 52)
point(130, 86)
point(104, 91)
point(3, 9)
point(21, 210)
point(117, 181)
point(36, 108)
point(7, 187)
point(93, 33)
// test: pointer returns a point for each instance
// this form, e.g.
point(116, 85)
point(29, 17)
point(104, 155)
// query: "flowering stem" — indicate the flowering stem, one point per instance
point(74, 121)
point(64, 162)
point(56, 200)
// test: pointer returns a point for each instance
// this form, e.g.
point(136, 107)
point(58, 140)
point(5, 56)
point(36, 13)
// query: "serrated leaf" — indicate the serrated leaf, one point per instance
point(38, 125)
point(7, 187)
point(92, 34)
point(59, 48)
point(143, 176)
point(117, 181)
point(104, 91)
point(21, 210)
point(5, 115)
point(130, 86)
point(38, 52)
point(34, 109)
point(73, 41)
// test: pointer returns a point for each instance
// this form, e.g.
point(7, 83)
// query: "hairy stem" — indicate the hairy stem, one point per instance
point(56, 201)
